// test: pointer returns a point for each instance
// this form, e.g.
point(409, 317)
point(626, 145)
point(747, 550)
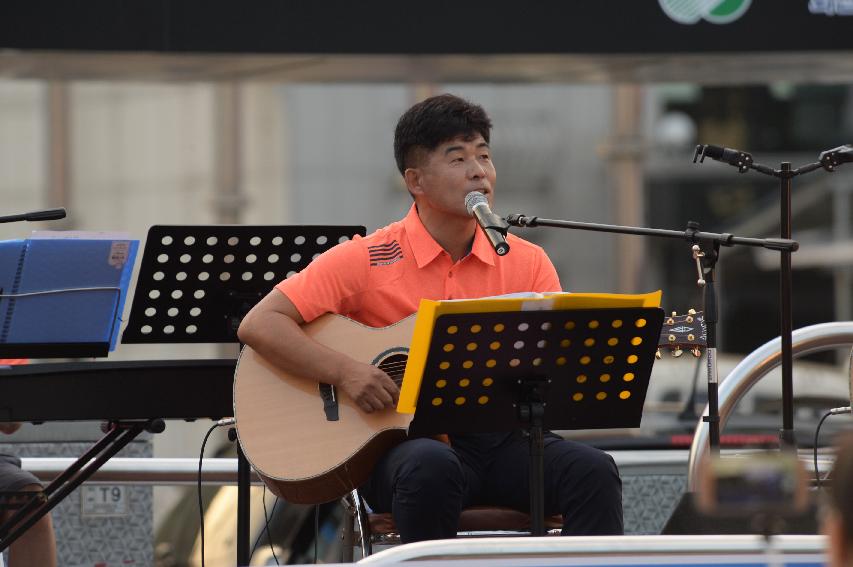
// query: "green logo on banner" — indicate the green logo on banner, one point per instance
point(714, 11)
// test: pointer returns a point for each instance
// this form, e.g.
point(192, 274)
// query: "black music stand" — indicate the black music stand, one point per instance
point(532, 370)
point(196, 283)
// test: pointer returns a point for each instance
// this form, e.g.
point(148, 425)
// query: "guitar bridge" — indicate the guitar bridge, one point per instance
point(330, 402)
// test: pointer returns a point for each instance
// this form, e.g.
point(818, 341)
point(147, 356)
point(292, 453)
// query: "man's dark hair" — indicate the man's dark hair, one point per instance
point(434, 121)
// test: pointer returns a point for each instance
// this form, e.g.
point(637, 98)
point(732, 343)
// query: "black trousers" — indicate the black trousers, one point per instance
point(425, 483)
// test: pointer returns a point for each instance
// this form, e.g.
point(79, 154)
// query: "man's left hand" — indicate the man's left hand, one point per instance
point(9, 427)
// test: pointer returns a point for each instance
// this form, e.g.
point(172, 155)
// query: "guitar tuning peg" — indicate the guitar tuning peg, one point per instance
point(696, 352)
point(677, 352)
point(658, 355)
point(675, 313)
point(691, 311)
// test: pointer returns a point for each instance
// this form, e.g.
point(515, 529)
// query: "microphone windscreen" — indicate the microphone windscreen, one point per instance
point(49, 214)
point(473, 199)
point(845, 153)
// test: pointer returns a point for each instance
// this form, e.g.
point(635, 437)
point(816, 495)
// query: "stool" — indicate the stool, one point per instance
point(477, 521)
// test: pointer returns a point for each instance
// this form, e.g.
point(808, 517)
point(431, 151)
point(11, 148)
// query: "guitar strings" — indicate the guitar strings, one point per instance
point(395, 374)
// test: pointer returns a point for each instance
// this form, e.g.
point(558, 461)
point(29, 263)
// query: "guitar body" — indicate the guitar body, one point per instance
point(287, 430)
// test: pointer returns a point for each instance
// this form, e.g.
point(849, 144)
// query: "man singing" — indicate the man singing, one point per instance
point(441, 146)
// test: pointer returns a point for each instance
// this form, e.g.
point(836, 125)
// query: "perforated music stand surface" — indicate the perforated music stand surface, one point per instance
point(591, 374)
point(197, 282)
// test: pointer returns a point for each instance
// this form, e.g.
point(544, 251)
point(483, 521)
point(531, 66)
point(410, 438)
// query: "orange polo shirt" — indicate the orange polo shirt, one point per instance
point(381, 278)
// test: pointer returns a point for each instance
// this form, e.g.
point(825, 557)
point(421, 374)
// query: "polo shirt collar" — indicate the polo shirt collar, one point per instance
point(426, 249)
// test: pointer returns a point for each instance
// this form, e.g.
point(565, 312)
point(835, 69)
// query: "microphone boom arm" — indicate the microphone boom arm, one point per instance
point(493, 221)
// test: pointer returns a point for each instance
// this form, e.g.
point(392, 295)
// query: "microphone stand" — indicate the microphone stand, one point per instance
point(705, 249)
point(743, 161)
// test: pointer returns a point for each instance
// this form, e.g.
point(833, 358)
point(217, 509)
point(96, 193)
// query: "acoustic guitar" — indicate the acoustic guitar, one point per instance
point(312, 444)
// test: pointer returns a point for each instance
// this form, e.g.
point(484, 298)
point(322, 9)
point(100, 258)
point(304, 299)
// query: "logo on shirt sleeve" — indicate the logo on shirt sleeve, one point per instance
point(385, 254)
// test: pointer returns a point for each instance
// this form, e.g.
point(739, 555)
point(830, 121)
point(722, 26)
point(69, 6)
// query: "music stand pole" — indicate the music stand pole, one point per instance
point(532, 414)
point(243, 510)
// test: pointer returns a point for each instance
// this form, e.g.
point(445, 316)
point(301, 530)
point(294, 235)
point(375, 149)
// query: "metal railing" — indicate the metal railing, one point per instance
point(144, 471)
point(751, 369)
point(221, 471)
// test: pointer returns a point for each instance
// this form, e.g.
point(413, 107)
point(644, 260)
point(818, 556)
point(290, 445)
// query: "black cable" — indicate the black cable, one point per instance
point(316, 530)
point(200, 504)
point(267, 527)
point(816, 434)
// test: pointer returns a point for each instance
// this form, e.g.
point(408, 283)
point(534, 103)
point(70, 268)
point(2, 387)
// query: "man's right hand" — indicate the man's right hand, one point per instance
point(273, 329)
point(369, 387)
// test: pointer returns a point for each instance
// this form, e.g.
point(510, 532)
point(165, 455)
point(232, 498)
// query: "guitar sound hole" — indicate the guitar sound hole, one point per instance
point(394, 366)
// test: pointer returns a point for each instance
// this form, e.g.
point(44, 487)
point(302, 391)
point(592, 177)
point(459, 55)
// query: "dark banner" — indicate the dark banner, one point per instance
point(435, 27)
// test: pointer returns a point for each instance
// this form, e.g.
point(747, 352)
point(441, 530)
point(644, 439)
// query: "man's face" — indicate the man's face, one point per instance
point(454, 169)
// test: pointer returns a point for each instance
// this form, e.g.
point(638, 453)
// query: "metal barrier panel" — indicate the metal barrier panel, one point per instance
point(106, 523)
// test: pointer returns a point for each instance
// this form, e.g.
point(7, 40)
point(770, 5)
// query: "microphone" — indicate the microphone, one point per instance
point(493, 226)
point(830, 159)
point(741, 160)
point(45, 215)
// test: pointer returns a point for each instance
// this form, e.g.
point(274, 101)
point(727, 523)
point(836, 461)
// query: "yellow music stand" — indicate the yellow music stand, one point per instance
point(532, 370)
